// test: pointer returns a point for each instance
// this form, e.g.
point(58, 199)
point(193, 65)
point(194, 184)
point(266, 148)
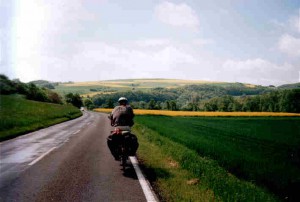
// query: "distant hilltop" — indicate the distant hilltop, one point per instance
point(154, 83)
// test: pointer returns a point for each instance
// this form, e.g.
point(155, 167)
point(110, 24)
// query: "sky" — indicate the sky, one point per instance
point(255, 41)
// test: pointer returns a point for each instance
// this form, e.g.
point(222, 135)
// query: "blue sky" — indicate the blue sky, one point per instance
point(254, 41)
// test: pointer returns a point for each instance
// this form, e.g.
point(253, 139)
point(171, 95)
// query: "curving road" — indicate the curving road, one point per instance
point(66, 162)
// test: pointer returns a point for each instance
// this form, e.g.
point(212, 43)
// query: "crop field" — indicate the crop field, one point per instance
point(145, 83)
point(19, 116)
point(237, 158)
point(95, 93)
point(64, 89)
point(127, 84)
point(209, 114)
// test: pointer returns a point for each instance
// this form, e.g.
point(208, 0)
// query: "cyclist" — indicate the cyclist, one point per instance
point(122, 119)
point(122, 115)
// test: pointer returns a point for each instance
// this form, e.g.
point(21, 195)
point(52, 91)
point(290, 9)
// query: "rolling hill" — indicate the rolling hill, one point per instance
point(92, 88)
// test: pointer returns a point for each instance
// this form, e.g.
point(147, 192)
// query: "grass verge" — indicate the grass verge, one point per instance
point(20, 116)
point(262, 150)
point(178, 173)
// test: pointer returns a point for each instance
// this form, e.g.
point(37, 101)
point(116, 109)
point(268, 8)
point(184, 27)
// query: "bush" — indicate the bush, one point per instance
point(6, 86)
point(74, 99)
point(31, 90)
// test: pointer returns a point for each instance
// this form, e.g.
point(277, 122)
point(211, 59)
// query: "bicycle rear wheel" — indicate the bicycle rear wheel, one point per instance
point(123, 161)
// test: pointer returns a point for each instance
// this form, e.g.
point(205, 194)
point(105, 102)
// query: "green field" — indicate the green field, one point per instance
point(126, 84)
point(20, 116)
point(259, 155)
point(64, 89)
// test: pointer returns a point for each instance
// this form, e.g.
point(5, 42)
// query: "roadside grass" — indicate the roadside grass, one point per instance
point(20, 116)
point(261, 150)
point(209, 114)
point(170, 181)
point(179, 173)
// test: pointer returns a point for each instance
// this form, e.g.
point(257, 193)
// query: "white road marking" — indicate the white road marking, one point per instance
point(39, 158)
point(76, 132)
point(150, 196)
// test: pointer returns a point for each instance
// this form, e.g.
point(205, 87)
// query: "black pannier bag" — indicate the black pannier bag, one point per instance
point(112, 143)
point(131, 143)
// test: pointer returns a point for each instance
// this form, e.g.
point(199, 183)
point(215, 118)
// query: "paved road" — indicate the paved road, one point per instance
point(66, 162)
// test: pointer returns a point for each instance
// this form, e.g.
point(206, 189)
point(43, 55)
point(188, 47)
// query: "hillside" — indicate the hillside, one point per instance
point(187, 95)
point(20, 116)
point(45, 84)
point(92, 88)
point(180, 96)
point(290, 86)
point(112, 86)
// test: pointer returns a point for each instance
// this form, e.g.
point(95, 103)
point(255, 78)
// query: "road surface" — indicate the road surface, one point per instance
point(66, 162)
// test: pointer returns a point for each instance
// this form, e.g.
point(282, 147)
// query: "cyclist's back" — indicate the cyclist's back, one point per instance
point(122, 116)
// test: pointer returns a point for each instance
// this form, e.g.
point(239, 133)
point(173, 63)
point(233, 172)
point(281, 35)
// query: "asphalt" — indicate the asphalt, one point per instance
point(66, 162)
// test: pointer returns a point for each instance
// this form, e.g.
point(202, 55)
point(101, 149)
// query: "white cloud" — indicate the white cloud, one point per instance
point(101, 61)
point(1, 47)
point(152, 42)
point(178, 15)
point(291, 25)
point(259, 71)
point(258, 65)
point(203, 42)
point(294, 23)
point(133, 57)
point(289, 45)
point(44, 29)
point(65, 40)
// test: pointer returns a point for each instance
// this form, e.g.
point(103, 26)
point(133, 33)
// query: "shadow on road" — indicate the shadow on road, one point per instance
point(129, 172)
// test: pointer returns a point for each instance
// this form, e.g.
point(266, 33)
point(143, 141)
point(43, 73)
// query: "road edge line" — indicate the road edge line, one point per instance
point(147, 189)
point(76, 132)
point(42, 156)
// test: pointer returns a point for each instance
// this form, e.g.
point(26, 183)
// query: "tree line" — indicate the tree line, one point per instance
point(276, 101)
point(207, 98)
point(33, 92)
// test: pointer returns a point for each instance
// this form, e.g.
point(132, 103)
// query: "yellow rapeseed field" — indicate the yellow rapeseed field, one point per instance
point(190, 113)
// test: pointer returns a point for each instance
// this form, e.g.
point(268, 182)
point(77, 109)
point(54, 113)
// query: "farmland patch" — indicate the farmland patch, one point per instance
point(260, 150)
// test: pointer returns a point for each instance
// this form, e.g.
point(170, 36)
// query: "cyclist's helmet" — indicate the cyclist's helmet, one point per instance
point(122, 99)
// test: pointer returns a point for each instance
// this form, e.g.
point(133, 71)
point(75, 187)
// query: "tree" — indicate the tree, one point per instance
point(31, 90)
point(211, 105)
point(173, 105)
point(54, 97)
point(6, 85)
point(49, 86)
point(74, 99)
point(143, 105)
point(290, 101)
point(225, 103)
point(151, 104)
point(21, 88)
point(158, 105)
point(109, 103)
point(168, 105)
point(237, 106)
point(35, 93)
point(89, 104)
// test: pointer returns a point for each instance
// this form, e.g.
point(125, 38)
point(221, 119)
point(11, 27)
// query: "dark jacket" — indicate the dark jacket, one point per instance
point(122, 116)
